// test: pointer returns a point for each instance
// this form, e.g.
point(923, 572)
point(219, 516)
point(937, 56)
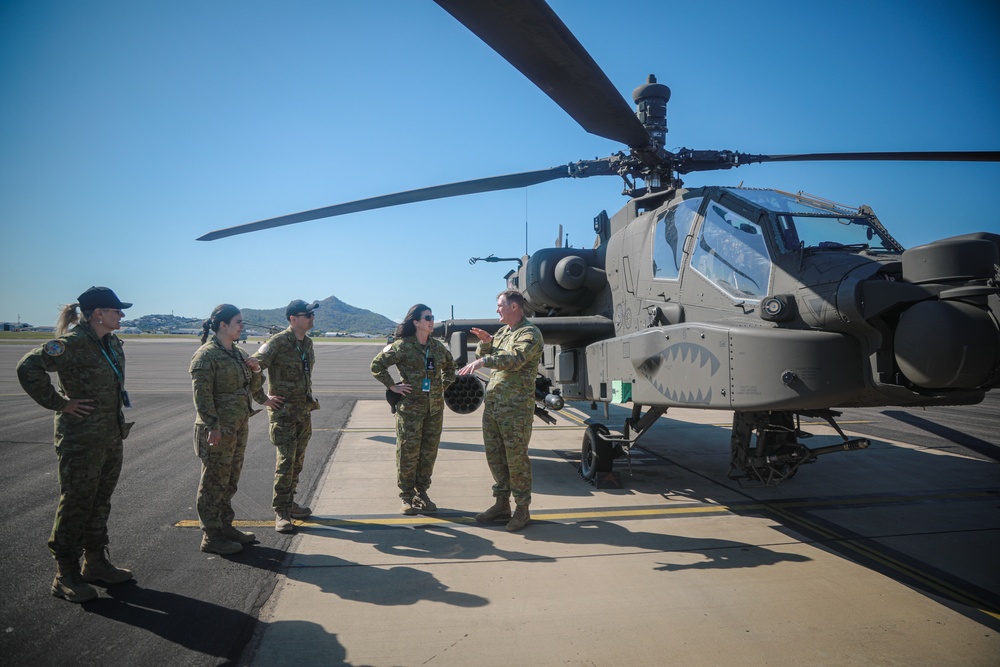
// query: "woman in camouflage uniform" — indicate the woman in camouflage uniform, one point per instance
point(427, 369)
point(89, 429)
point(224, 379)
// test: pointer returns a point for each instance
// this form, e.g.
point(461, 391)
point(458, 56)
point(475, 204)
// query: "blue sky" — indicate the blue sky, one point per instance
point(131, 127)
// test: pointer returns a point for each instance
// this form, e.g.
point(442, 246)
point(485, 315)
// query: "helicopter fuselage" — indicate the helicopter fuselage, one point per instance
point(718, 301)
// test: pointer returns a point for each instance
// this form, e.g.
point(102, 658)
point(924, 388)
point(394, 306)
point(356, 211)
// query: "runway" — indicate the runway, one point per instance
point(883, 556)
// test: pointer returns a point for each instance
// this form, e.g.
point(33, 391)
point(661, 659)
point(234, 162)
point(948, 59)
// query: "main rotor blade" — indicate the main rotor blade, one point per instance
point(532, 38)
point(687, 160)
point(916, 156)
point(490, 184)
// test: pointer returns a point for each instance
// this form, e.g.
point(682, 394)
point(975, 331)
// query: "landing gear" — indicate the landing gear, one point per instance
point(597, 452)
point(778, 452)
point(601, 447)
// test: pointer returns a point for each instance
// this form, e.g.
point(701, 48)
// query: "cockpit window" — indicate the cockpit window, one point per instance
point(732, 253)
point(811, 223)
point(672, 227)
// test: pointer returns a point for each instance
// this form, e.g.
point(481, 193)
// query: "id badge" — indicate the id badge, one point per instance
point(125, 402)
point(426, 386)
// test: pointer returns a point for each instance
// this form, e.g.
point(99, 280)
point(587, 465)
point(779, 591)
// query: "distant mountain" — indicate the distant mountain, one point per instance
point(332, 315)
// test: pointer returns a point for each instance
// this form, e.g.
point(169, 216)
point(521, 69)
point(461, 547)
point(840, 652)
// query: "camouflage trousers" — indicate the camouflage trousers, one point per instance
point(221, 466)
point(290, 436)
point(417, 438)
point(506, 432)
point(88, 475)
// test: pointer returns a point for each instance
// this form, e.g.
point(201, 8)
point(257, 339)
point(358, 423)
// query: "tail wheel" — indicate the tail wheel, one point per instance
point(597, 453)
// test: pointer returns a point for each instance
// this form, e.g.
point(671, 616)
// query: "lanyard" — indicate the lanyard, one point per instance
point(112, 363)
point(304, 357)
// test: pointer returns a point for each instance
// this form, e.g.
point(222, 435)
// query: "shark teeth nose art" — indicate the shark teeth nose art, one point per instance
point(687, 360)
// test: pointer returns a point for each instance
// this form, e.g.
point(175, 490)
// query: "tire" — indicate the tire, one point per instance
point(596, 454)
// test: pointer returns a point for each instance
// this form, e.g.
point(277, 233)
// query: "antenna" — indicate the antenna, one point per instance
point(526, 221)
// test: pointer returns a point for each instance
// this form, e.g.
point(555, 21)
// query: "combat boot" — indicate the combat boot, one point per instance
point(233, 533)
point(98, 569)
point(408, 507)
point(297, 511)
point(424, 503)
point(68, 584)
point(499, 512)
point(283, 523)
point(520, 519)
point(214, 542)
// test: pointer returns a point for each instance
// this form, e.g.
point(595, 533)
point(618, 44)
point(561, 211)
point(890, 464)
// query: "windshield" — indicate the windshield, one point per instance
point(817, 224)
point(732, 254)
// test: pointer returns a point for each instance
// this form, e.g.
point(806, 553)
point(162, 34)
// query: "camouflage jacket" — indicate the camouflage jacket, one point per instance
point(286, 358)
point(87, 367)
point(412, 360)
point(513, 356)
point(223, 386)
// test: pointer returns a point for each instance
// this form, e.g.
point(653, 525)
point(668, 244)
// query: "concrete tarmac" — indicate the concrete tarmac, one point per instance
point(881, 557)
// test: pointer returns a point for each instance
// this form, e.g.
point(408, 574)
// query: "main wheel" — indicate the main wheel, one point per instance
point(597, 453)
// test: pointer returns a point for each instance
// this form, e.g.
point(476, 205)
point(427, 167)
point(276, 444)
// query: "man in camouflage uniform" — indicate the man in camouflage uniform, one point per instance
point(427, 369)
point(89, 429)
point(289, 359)
point(513, 355)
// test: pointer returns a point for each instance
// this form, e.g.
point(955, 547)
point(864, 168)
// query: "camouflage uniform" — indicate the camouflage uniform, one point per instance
point(290, 362)
point(89, 448)
point(223, 386)
point(420, 415)
point(513, 354)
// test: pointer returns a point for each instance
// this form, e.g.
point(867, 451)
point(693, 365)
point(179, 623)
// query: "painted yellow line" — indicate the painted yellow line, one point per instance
point(633, 512)
point(431, 519)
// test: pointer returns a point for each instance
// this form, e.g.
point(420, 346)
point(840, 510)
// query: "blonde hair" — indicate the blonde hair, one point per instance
point(68, 317)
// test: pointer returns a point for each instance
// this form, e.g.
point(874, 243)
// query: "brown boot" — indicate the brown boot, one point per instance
point(520, 519)
point(98, 569)
point(68, 584)
point(283, 523)
point(297, 511)
point(214, 542)
point(499, 512)
point(230, 532)
point(426, 504)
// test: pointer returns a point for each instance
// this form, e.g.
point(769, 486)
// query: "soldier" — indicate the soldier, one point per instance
point(425, 363)
point(224, 379)
point(89, 429)
point(513, 354)
point(290, 358)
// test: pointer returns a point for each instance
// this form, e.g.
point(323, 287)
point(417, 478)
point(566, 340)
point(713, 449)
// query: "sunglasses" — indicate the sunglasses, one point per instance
point(309, 315)
point(427, 318)
point(113, 310)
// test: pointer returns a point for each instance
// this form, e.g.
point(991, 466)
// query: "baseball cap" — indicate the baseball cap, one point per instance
point(299, 306)
point(100, 297)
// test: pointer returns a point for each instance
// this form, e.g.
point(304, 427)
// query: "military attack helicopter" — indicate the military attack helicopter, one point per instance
point(770, 304)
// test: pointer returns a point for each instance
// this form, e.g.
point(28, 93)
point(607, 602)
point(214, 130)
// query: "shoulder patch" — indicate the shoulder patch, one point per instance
point(54, 348)
point(264, 348)
point(387, 348)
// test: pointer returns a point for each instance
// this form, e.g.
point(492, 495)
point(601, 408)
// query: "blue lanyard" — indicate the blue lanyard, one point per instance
point(111, 362)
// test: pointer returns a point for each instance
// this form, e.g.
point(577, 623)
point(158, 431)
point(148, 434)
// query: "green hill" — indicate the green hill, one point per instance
point(332, 315)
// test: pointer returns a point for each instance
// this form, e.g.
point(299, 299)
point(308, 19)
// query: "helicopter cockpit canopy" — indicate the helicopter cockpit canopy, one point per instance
point(818, 225)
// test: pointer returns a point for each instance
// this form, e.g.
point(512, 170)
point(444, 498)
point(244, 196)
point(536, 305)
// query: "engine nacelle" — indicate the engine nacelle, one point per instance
point(562, 281)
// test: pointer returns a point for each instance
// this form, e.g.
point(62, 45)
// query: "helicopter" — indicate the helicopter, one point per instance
point(773, 305)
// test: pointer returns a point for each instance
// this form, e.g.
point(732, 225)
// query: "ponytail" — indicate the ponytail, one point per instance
point(68, 316)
